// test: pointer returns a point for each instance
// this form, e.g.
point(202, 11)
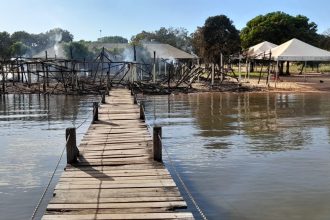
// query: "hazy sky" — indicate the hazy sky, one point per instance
point(85, 18)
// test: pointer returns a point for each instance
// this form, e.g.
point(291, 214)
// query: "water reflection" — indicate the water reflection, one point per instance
point(31, 141)
point(250, 156)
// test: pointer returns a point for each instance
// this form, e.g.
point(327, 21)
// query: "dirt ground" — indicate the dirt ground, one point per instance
point(298, 83)
point(312, 82)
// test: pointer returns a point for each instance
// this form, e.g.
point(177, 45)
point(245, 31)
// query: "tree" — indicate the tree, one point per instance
point(19, 49)
point(23, 37)
point(112, 39)
point(218, 35)
point(324, 40)
point(77, 50)
point(278, 27)
point(58, 35)
point(197, 42)
point(176, 37)
point(5, 43)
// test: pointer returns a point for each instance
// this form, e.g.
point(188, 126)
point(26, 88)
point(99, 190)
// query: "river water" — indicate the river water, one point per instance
point(249, 156)
point(32, 137)
point(243, 156)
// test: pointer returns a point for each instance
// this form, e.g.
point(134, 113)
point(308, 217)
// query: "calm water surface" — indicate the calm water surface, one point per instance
point(32, 137)
point(250, 156)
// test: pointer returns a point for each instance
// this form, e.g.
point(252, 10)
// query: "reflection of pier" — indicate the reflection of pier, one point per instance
point(117, 174)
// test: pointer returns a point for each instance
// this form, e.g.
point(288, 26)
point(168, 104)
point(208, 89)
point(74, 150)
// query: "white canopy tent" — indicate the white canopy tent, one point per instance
point(296, 50)
point(258, 51)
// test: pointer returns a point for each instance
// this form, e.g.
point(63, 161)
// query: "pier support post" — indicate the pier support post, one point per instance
point(142, 116)
point(72, 151)
point(95, 111)
point(157, 144)
point(103, 97)
point(135, 100)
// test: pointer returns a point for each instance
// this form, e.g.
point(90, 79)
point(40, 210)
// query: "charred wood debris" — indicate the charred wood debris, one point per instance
point(78, 77)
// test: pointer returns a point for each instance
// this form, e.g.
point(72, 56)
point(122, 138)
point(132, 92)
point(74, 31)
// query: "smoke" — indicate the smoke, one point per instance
point(128, 54)
point(56, 38)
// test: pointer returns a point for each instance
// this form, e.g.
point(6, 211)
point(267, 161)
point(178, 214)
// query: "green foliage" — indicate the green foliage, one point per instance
point(324, 40)
point(278, 27)
point(197, 42)
point(5, 43)
point(58, 35)
point(112, 39)
point(34, 43)
point(77, 50)
point(218, 35)
point(19, 49)
point(176, 37)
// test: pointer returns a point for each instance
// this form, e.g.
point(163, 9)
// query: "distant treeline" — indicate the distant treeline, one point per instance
point(217, 36)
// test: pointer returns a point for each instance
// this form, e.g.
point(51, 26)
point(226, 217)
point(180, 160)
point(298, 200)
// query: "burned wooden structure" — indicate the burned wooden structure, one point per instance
point(76, 76)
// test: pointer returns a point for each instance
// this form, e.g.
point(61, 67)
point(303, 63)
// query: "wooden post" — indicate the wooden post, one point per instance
point(3, 80)
point(154, 69)
point(29, 75)
point(72, 151)
point(95, 111)
point(142, 116)
point(239, 68)
point(157, 144)
point(107, 91)
point(47, 73)
point(212, 75)
point(44, 78)
point(135, 100)
point(103, 97)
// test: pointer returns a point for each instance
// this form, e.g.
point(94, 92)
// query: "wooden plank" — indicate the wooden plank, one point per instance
point(84, 200)
point(115, 176)
point(166, 215)
point(176, 204)
point(110, 211)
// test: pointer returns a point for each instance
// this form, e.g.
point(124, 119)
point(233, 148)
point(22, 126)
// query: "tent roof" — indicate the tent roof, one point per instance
point(167, 51)
point(258, 50)
point(296, 50)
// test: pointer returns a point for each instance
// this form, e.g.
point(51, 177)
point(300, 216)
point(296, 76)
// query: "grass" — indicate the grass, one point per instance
point(295, 68)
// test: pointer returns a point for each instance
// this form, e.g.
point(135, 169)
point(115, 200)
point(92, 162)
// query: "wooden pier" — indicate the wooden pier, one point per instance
point(116, 176)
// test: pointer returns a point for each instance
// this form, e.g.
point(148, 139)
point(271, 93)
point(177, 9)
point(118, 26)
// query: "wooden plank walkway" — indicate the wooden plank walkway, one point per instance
point(116, 176)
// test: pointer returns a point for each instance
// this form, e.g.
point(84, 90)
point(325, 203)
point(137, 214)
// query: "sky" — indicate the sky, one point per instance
point(90, 19)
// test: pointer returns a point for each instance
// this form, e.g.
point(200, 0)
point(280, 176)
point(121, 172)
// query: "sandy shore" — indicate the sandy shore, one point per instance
point(297, 83)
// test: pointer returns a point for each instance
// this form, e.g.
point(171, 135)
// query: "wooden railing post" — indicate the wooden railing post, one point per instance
point(157, 144)
point(72, 151)
point(95, 111)
point(135, 100)
point(142, 116)
point(103, 97)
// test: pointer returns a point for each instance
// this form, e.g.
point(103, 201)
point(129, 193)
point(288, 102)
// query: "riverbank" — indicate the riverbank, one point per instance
point(312, 82)
point(295, 83)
